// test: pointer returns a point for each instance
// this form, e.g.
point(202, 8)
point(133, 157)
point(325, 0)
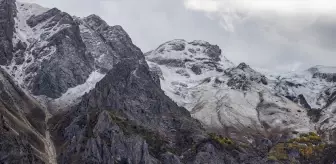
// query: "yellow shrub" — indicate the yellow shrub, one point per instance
point(279, 152)
point(272, 158)
point(221, 140)
point(308, 145)
point(315, 138)
point(313, 134)
point(304, 139)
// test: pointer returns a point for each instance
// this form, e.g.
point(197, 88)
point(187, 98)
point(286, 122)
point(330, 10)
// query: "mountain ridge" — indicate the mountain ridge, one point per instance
point(201, 90)
point(95, 97)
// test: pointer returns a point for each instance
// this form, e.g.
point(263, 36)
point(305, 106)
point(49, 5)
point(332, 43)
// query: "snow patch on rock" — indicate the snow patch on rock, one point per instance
point(73, 95)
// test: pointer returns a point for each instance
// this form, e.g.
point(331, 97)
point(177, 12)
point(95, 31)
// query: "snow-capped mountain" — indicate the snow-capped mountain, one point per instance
point(220, 94)
point(57, 57)
point(77, 90)
point(181, 64)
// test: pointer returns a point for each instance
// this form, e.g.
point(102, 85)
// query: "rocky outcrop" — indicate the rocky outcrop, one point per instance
point(243, 76)
point(198, 56)
point(213, 51)
point(115, 37)
point(7, 14)
point(16, 149)
point(61, 52)
point(326, 73)
point(301, 100)
point(69, 65)
point(22, 125)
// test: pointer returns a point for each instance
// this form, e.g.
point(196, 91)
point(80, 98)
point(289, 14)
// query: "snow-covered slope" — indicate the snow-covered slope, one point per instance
point(57, 57)
point(220, 94)
point(314, 90)
point(313, 84)
point(183, 65)
point(41, 38)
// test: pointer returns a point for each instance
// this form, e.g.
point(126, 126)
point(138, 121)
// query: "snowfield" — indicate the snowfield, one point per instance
point(239, 96)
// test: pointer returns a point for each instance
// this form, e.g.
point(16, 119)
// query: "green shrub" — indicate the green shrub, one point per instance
point(220, 139)
point(272, 158)
point(308, 145)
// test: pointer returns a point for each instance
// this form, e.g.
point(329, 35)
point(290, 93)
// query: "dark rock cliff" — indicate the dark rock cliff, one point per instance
point(22, 125)
point(70, 65)
point(7, 14)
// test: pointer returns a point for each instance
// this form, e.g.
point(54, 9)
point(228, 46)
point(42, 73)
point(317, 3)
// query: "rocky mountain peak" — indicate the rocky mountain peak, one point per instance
point(197, 57)
point(243, 66)
point(242, 77)
point(95, 22)
point(193, 48)
point(323, 72)
point(54, 52)
point(36, 19)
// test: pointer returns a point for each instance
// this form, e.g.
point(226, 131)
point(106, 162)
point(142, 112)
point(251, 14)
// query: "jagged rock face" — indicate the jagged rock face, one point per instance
point(128, 91)
point(197, 56)
point(105, 43)
point(54, 52)
point(69, 64)
point(7, 14)
point(330, 95)
point(156, 74)
point(330, 77)
point(97, 138)
point(242, 76)
point(326, 73)
point(115, 37)
point(49, 54)
point(99, 129)
point(326, 115)
point(301, 100)
point(22, 125)
point(16, 149)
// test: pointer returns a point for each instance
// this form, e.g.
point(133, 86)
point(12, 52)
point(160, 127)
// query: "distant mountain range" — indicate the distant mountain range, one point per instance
point(77, 90)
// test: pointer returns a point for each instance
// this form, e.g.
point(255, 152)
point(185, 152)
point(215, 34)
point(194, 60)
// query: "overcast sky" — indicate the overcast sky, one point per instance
point(279, 35)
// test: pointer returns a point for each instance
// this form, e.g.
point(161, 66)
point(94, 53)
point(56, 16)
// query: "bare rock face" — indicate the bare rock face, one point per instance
point(15, 149)
point(195, 55)
point(61, 52)
point(128, 104)
point(69, 65)
point(320, 72)
point(7, 14)
point(22, 125)
point(115, 37)
point(243, 75)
